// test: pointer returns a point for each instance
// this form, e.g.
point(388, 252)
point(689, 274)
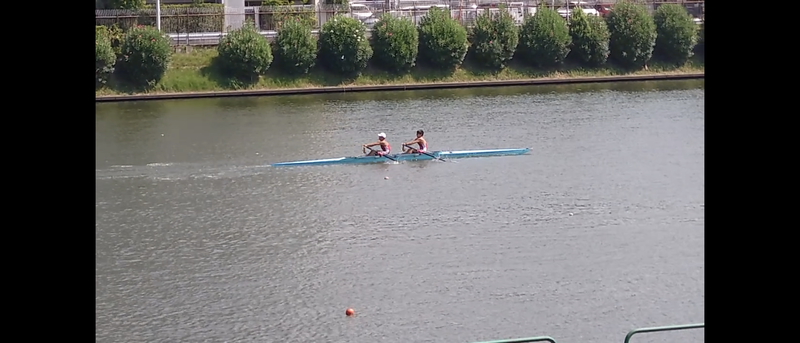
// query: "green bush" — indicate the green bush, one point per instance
point(676, 34)
point(494, 39)
point(395, 42)
point(589, 39)
point(295, 48)
point(103, 55)
point(145, 56)
point(544, 38)
point(442, 40)
point(343, 48)
point(244, 54)
point(632, 34)
point(115, 35)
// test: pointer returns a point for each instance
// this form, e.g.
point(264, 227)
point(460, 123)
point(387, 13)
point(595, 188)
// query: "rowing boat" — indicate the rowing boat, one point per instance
point(408, 157)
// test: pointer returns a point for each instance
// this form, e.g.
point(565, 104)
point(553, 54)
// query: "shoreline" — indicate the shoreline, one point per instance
point(399, 87)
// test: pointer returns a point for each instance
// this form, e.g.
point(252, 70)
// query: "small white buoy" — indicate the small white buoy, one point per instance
point(386, 178)
point(258, 153)
point(570, 214)
point(162, 135)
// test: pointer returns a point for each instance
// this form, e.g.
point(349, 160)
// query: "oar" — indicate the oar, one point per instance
point(387, 156)
point(422, 152)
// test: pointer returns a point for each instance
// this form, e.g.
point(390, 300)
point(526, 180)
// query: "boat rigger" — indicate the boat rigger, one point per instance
point(444, 155)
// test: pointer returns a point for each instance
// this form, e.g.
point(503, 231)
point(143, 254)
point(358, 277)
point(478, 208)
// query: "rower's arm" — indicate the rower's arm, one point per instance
point(412, 142)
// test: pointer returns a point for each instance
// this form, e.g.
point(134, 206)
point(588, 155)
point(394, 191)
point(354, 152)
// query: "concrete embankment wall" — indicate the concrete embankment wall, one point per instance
point(402, 87)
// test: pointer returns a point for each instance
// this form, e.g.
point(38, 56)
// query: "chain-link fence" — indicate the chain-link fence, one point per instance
point(206, 25)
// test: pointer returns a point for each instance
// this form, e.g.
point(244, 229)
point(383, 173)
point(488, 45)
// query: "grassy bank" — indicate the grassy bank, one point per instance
point(193, 71)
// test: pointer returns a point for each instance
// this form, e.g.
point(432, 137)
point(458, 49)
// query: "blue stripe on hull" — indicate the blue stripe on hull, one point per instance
point(408, 157)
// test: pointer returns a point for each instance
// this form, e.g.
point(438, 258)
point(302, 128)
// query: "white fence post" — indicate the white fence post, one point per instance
point(158, 14)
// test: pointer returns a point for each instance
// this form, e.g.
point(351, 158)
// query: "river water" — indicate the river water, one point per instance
point(595, 232)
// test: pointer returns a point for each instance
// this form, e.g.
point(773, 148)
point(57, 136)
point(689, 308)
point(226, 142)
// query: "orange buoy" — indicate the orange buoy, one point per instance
point(349, 312)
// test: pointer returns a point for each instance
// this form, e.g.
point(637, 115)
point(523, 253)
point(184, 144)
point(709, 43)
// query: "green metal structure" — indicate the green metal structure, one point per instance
point(524, 340)
point(663, 328)
point(627, 337)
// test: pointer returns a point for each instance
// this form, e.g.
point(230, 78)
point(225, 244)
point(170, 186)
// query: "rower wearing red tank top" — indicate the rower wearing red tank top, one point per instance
point(383, 143)
point(422, 144)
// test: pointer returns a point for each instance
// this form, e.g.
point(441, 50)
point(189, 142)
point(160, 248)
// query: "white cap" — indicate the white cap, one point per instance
point(382, 135)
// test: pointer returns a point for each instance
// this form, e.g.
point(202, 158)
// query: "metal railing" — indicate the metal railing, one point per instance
point(524, 340)
point(663, 328)
point(627, 337)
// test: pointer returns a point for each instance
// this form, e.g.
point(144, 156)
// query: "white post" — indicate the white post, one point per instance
point(158, 14)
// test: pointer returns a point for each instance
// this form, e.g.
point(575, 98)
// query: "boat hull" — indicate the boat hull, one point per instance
point(408, 157)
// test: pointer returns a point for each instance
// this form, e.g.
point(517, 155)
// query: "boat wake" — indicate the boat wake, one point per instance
point(178, 171)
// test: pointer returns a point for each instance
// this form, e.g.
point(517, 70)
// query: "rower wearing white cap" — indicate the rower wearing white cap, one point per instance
point(383, 143)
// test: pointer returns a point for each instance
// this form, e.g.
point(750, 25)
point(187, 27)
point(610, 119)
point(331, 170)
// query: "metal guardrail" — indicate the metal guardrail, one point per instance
point(213, 38)
point(627, 337)
point(663, 328)
point(524, 340)
point(210, 38)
